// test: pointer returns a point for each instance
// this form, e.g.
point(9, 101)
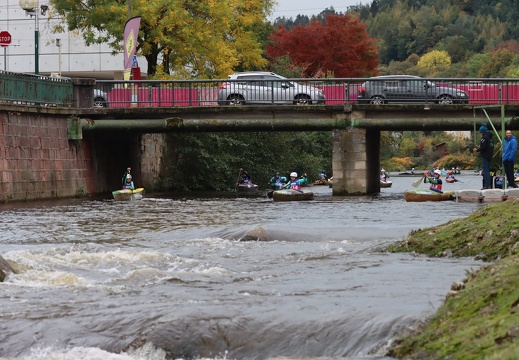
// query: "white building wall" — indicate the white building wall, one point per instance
point(77, 59)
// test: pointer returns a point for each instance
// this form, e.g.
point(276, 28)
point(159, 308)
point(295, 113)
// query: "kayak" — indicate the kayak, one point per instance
point(386, 184)
point(320, 182)
point(292, 195)
point(427, 195)
point(127, 194)
point(247, 188)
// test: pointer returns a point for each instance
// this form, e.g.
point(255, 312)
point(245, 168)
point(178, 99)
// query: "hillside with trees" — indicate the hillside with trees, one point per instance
point(466, 38)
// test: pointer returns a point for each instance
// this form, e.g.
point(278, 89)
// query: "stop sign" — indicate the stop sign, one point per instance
point(5, 38)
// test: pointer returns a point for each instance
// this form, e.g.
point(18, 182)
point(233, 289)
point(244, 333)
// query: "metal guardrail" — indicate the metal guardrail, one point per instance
point(44, 90)
point(335, 91)
point(26, 89)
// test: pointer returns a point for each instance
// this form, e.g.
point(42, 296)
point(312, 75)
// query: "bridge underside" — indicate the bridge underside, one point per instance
point(356, 129)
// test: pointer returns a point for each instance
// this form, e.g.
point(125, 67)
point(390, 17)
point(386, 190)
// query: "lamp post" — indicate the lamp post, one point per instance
point(58, 44)
point(32, 8)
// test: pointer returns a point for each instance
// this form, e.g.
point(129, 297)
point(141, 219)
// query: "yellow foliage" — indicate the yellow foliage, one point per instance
point(202, 39)
point(434, 62)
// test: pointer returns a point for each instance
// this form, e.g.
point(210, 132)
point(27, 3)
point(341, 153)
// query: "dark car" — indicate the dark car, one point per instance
point(100, 98)
point(404, 89)
point(258, 87)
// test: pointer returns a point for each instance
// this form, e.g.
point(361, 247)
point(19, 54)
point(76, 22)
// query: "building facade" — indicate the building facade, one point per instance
point(64, 53)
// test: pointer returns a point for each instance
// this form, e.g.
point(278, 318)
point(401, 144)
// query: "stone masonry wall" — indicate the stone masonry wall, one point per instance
point(37, 161)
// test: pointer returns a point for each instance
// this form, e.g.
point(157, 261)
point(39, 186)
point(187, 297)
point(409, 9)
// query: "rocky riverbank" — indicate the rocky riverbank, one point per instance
point(480, 316)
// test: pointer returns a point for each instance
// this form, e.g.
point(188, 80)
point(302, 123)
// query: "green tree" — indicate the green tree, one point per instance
point(208, 39)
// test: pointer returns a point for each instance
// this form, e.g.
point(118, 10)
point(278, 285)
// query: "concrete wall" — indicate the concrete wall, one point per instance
point(38, 161)
point(356, 161)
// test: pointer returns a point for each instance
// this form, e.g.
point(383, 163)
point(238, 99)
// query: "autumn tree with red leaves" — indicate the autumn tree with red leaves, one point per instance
point(340, 46)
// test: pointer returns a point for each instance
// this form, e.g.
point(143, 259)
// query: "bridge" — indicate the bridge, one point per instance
point(151, 107)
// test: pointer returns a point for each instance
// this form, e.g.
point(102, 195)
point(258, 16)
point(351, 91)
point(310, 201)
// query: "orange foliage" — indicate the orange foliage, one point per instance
point(341, 46)
point(402, 163)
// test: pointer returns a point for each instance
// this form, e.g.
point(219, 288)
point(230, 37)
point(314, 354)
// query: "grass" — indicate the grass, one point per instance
point(480, 318)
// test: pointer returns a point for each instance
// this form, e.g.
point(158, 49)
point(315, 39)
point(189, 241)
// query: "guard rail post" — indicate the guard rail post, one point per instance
point(83, 93)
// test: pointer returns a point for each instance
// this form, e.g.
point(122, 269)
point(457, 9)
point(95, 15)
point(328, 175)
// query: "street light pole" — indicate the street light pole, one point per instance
point(33, 8)
point(36, 40)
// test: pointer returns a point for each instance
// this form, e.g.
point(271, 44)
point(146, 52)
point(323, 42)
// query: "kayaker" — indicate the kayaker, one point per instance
point(245, 177)
point(436, 182)
point(277, 181)
point(322, 175)
point(127, 173)
point(450, 177)
point(128, 183)
point(383, 175)
point(294, 183)
point(498, 179)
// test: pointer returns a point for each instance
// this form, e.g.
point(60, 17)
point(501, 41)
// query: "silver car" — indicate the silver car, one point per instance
point(257, 87)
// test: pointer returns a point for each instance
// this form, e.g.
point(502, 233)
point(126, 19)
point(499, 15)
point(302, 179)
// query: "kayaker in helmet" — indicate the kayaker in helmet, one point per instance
point(277, 181)
point(294, 183)
point(450, 177)
point(383, 175)
point(127, 173)
point(128, 184)
point(436, 182)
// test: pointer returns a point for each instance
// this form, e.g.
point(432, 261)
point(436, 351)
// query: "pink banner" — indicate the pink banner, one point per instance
point(131, 34)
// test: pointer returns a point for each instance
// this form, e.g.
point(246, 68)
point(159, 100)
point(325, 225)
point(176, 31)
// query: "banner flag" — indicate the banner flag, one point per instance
point(131, 33)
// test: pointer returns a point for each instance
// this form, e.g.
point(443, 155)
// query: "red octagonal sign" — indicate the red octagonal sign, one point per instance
point(5, 38)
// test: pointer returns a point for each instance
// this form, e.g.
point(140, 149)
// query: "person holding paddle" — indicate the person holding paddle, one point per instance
point(126, 174)
point(294, 183)
point(128, 183)
point(277, 181)
point(436, 182)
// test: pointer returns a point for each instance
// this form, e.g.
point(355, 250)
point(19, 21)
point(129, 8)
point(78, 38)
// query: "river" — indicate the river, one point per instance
point(100, 279)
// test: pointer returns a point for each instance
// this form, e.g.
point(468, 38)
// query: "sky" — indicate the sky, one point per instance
point(292, 8)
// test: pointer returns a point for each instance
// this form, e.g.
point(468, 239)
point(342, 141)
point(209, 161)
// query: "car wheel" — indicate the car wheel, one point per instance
point(303, 100)
point(99, 102)
point(445, 99)
point(235, 100)
point(377, 100)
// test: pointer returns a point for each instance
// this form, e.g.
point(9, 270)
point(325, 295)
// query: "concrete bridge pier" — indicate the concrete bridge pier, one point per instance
point(356, 161)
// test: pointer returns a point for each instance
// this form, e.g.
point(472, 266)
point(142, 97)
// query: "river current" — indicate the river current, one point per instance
point(168, 277)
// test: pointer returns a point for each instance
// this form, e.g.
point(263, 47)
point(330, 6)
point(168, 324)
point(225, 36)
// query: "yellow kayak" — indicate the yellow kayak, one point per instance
point(127, 194)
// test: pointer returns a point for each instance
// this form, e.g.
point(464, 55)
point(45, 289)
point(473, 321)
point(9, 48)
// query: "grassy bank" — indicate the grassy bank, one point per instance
point(480, 317)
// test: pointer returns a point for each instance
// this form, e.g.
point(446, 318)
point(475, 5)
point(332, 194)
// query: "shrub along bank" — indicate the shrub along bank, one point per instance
point(480, 317)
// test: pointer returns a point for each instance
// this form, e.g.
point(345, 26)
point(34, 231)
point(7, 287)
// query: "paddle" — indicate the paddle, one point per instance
point(417, 182)
point(238, 180)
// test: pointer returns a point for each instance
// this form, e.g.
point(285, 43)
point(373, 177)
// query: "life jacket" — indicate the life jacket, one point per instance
point(128, 185)
point(436, 187)
point(294, 185)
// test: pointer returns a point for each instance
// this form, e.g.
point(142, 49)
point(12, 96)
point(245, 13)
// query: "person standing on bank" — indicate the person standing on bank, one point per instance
point(509, 151)
point(486, 148)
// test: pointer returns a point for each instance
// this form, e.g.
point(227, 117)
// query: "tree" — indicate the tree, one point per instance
point(206, 39)
point(341, 45)
point(435, 61)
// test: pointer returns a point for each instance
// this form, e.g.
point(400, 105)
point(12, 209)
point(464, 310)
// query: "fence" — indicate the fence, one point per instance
point(43, 90)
